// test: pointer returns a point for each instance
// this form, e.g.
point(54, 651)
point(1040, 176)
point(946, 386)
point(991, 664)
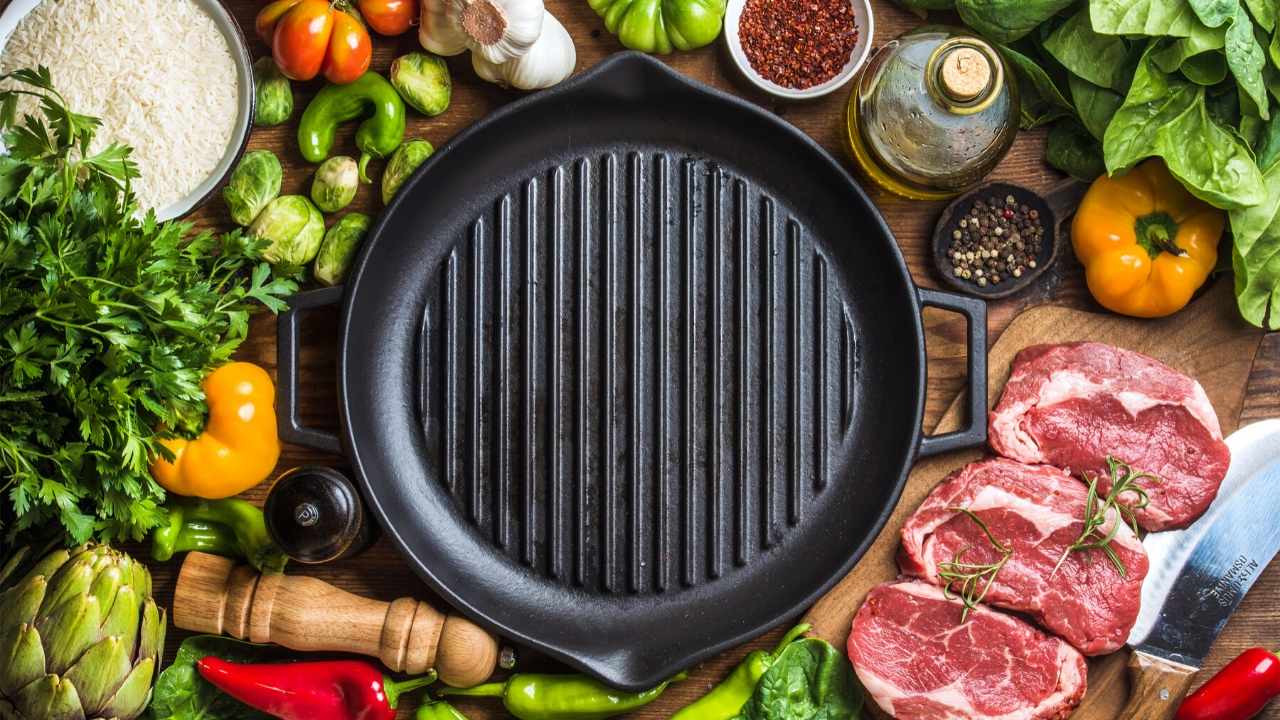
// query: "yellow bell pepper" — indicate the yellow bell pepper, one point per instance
point(240, 443)
point(1146, 243)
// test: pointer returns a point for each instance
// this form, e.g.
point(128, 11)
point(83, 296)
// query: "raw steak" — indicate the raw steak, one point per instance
point(1038, 511)
point(1072, 405)
point(918, 662)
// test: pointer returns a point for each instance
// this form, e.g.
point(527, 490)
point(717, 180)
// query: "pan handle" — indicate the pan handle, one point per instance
point(288, 330)
point(975, 431)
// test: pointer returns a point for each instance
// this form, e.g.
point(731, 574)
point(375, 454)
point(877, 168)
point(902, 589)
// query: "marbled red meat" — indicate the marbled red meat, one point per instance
point(1072, 405)
point(917, 660)
point(1038, 511)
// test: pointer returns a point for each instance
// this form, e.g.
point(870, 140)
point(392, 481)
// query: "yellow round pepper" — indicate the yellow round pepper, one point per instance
point(1146, 243)
point(239, 446)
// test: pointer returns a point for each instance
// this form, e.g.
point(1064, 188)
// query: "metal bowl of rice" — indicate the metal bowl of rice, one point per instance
point(173, 79)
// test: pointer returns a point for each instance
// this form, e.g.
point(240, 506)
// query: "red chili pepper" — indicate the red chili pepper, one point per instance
point(335, 690)
point(1239, 691)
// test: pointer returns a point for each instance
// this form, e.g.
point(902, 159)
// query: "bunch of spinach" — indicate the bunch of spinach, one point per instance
point(108, 323)
point(809, 680)
point(1195, 82)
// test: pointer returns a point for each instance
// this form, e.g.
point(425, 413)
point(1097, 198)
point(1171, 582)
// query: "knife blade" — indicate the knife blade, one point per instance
point(1199, 575)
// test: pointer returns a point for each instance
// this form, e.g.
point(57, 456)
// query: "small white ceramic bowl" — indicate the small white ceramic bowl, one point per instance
point(245, 96)
point(866, 32)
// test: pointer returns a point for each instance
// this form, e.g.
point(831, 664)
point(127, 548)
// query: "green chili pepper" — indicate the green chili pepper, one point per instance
point(726, 699)
point(370, 96)
point(230, 527)
point(562, 697)
point(438, 710)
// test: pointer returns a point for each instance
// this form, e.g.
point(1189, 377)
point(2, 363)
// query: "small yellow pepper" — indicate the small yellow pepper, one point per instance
point(1146, 243)
point(239, 446)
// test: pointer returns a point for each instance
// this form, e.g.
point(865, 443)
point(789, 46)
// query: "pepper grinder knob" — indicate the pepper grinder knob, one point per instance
point(214, 595)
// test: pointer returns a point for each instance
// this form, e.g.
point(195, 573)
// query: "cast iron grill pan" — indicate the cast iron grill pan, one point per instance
point(631, 371)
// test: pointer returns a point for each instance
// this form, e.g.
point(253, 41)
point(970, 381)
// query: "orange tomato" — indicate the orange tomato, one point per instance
point(350, 50)
point(308, 37)
point(265, 23)
point(389, 17)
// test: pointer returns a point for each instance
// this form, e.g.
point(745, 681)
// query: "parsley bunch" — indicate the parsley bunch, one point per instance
point(108, 324)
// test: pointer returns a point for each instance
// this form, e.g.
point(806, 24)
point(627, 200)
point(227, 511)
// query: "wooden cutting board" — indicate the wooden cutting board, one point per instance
point(1207, 341)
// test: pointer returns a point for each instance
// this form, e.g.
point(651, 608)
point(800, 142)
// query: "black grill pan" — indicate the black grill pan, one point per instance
point(632, 371)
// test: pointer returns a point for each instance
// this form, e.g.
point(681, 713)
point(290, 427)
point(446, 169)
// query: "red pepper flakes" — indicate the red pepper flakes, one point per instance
point(798, 43)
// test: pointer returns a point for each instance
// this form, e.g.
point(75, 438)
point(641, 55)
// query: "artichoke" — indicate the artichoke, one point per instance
point(80, 637)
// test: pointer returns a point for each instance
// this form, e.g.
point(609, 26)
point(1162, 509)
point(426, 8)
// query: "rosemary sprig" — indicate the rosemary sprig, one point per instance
point(975, 579)
point(1097, 512)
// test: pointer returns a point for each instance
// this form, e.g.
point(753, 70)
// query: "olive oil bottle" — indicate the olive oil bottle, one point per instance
point(932, 113)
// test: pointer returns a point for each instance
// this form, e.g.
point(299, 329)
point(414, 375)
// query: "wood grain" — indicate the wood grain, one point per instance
point(1207, 341)
point(1157, 687)
point(380, 573)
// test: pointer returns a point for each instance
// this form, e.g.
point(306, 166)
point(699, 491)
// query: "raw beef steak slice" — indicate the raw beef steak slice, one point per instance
point(919, 662)
point(1072, 405)
point(1038, 512)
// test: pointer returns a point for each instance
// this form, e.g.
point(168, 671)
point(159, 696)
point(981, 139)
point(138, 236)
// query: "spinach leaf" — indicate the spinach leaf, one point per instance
point(810, 680)
point(1201, 41)
point(1207, 69)
point(1264, 13)
point(1095, 105)
point(1101, 59)
point(1215, 13)
point(1274, 49)
point(1042, 100)
point(1143, 17)
point(1007, 20)
point(1246, 59)
point(1164, 116)
point(1267, 146)
point(1256, 256)
point(1074, 151)
point(181, 694)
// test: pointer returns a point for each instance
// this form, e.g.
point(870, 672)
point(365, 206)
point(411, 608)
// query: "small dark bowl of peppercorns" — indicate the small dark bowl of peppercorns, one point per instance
point(996, 240)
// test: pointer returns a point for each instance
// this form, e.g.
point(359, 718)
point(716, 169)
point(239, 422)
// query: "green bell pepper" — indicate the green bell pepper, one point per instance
point(370, 96)
point(438, 710)
point(660, 26)
point(231, 528)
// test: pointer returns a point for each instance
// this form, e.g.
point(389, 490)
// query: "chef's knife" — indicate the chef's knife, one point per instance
point(1199, 575)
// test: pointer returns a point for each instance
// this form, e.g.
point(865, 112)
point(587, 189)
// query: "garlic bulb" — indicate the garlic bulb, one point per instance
point(550, 60)
point(497, 30)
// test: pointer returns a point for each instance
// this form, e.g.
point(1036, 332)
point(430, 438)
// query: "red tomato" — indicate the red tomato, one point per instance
point(265, 24)
point(389, 17)
point(350, 50)
point(301, 39)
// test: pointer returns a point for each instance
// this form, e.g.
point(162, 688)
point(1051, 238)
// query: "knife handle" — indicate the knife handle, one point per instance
point(1156, 687)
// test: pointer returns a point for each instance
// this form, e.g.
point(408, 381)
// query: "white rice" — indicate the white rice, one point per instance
point(157, 72)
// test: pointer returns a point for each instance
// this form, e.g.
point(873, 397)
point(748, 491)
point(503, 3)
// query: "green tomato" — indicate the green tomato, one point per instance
point(660, 26)
point(335, 183)
point(274, 95)
point(423, 81)
point(339, 248)
point(294, 228)
point(254, 183)
point(403, 162)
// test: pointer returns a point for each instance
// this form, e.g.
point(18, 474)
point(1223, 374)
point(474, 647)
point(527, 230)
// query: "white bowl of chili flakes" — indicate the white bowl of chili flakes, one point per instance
point(799, 49)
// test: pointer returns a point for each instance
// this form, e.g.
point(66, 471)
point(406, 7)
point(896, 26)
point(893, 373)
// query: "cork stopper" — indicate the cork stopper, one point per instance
point(966, 74)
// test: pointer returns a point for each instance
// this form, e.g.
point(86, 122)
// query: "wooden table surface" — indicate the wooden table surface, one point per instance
point(381, 572)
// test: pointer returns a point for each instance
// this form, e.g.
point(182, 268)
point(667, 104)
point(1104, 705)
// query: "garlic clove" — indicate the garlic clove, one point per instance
point(500, 30)
point(550, 60)
point(437, 32)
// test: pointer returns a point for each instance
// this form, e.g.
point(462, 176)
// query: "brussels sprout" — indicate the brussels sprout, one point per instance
point(274, 94)
point(423, 81)
point(335, 183)
point(339, 248)
point(294, 229)
point(403, 162)
point(254, 183)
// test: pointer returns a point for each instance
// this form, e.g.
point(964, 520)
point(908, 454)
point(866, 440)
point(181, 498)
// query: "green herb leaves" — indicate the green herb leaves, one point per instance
point(181, 694)
point(108, 324)
point(1103, 518)
point(972, 581)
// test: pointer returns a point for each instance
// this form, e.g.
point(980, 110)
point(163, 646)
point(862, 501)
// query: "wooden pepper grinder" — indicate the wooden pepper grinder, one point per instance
point(303, 613)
